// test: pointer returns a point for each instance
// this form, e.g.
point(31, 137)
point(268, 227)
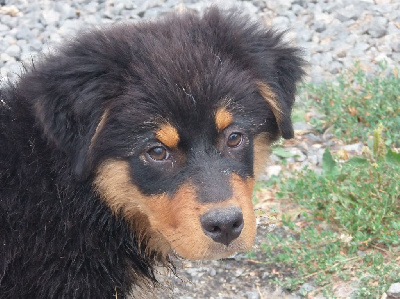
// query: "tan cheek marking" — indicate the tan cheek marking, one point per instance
point(114, 185)
point(178, 219)
point(262, 150)
point(223, 118)
point(165, 222)
point(243, 190)
point(160, 221)
point(270, 97)
point(168, 135)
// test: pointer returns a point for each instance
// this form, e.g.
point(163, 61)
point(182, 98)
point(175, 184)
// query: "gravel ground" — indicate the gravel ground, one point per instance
point(334, 34)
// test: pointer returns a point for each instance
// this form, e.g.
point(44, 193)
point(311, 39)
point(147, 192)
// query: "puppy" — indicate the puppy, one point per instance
point(133, 142)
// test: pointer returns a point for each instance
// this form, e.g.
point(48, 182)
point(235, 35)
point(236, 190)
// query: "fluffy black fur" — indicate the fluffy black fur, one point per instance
point(57, 238)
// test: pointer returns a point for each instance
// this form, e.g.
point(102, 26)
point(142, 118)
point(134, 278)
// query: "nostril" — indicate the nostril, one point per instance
point(223, 225)
point(215, 229)
point(237, 224)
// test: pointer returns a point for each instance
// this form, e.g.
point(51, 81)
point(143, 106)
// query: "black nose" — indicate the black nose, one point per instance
point(223, 225)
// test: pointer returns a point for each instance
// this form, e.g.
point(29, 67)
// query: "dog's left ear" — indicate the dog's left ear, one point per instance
point(279, 68)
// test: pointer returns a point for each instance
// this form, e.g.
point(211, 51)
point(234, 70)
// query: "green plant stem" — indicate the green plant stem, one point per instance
point(333, 266)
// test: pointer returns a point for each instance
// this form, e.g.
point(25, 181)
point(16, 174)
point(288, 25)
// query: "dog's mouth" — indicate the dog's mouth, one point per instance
point(218, 233)
point(200, 247)
point(213, 252)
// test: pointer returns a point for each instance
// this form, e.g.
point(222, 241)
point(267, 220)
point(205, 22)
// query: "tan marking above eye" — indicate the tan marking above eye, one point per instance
point(223, 118)
point(168, 135)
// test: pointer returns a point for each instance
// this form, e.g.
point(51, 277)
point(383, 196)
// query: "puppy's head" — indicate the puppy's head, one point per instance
point(172, 122)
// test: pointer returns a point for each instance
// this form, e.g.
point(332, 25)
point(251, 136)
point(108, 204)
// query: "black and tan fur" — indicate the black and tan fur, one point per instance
point(133, 142)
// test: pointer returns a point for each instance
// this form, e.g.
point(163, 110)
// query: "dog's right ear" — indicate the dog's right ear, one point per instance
point(71, 128)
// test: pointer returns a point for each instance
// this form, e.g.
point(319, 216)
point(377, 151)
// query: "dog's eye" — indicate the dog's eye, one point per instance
point(158, 153)
point(234, 139)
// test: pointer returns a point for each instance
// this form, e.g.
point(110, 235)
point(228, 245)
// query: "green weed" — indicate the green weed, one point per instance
point(352, 228)
point(356, 103)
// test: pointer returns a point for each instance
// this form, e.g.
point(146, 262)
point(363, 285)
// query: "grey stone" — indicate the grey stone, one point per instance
point(382, 57)
point(312, 159)
point(14, 51)
point(70, 27)
point(392, 29)
point(306, 288)
point(383, 8)
point(312, 137)
point(24, 33)
point(212, 272)
point(341, 49)
point(91, 8)
point(4, 28)
point(109, 13)
point(304, 35)
point(297, 9)
point(361, 253)
point(302, 3)
point(238, 272)
point(299, 156)
point(317, 74)
point(316, 58)
point(11, 22)
point(13, 69)
point(35, 45)
point(359, 49)
point(348, 13)
point(252, 295)
point(355, 148)
point(384, 48)
point(378, 27)
point(66, 10)
point(331, 6)
point(336, 30)
point(5, 57)
point(8, 40)
point(394, 291)
point(323, 47)
point(336, 67)
point(128, 4)
point(273, 170)
point(318, 26)
point(396, 46)
point(91, 19)
point(302, 126)
point(326, 59)
point(281, 22)
point(193, 271)
point(50, 17)
point(279, 6)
